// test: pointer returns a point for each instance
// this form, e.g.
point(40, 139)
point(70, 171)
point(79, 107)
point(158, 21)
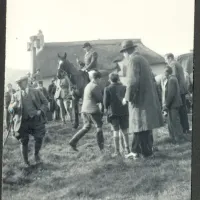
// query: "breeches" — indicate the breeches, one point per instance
point(31, 126)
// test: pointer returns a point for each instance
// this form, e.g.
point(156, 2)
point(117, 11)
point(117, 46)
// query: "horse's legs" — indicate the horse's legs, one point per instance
point(62, 109)
point(68, 109)
point(76, 112)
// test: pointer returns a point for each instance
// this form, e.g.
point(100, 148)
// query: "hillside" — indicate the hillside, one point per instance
point(87, 175)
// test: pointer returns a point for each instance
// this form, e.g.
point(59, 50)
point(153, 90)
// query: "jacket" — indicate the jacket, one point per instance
point(93, 95)
point(144, 106)
point(16, 106)
point(112, 100)
point(179, 73)
point(90, 60)
point(172, 94)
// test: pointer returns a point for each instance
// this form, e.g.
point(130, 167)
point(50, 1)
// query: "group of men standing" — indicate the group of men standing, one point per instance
point(134, 108)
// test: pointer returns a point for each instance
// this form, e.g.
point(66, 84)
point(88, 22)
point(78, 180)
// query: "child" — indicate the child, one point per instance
point(116, 111)
point(91, 112)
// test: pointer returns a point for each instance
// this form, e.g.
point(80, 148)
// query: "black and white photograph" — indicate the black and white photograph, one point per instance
point(98, 100)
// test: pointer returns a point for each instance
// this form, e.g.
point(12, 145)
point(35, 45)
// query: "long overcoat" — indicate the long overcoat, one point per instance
point(144, 106)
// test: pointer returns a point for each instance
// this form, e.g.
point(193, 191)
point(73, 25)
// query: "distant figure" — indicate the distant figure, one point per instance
point(179, 73)
point(144, 109)
point(41, 38)
point(37, 75)
point(34, 83)
point(29, 107)
point(53, 107)
point(172, 103)
point(117, 113)
point(29, 79)
point(91, 112)
point(63, 98)
point(7, 99)
point(90, 60)
point(43, 89)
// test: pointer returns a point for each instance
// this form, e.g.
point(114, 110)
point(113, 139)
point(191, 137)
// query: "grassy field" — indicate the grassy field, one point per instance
point(87, 175)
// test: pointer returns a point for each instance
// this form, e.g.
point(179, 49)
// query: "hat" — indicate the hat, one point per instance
point(40, 82)
point(87, 44)
point(22, 79)
point(127, 44)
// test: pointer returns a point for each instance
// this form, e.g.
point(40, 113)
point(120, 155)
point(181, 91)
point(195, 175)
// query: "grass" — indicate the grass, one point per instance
point(87, 175)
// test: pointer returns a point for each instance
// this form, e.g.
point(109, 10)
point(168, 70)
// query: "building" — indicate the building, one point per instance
point(186, 61)
point(44, 55)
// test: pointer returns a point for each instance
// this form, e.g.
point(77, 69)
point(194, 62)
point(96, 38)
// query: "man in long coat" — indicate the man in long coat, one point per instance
point(144, 107)
point(29, 107)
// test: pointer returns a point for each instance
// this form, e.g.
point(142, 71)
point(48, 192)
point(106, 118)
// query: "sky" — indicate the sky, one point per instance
point(164, 26)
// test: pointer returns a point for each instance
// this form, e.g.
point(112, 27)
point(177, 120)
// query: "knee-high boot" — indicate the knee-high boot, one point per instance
point(24, 152)
point(38, 145)
point(73, 142)
point(100, 139)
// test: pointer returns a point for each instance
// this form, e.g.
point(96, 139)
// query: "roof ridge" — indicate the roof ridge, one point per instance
point(107, 41)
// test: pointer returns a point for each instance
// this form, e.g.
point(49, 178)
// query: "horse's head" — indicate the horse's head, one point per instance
point(63, 64)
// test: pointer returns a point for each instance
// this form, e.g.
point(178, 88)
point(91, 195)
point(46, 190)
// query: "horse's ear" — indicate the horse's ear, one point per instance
point(65, 56)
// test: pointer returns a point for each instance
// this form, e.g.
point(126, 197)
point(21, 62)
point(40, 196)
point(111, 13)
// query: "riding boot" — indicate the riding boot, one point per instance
point(76, 113)
point(24, 152)
point(38, 145)
point(73, 142)
point(100, 140)
point(126, 141)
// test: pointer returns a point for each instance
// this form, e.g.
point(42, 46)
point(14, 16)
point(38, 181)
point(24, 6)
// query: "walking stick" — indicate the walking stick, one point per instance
point(8, 133)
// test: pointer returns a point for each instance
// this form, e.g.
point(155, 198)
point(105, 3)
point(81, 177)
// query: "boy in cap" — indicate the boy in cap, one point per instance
point(29, 107)
point(91, 112)
point(43, 89)
point(116, 111)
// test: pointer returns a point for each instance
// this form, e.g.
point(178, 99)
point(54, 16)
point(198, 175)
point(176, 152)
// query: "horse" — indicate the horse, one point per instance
point(78, 80)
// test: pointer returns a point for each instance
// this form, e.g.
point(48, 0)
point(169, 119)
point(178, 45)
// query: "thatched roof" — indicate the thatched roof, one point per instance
point(108, 51)
point(186, 60)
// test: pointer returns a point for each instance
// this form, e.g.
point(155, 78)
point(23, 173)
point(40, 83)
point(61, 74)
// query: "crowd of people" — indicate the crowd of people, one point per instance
point(136, 108)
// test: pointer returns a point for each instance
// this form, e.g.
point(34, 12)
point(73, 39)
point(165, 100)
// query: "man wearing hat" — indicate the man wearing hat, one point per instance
point(144, 107)
point(90, 60)
point(29, 107)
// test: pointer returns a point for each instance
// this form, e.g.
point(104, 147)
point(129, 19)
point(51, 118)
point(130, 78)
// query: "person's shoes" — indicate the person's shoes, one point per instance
point(37, 159)
point(73, 146)
point(155, 149)
point(132, 155)
point(116, 154)
point(27, 164)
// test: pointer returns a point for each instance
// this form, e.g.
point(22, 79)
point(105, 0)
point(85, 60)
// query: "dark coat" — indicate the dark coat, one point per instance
point(90, 60)
point(172, 93)
point(16, 105)
point(179, 73)
point(113, 96)
point(144, 106)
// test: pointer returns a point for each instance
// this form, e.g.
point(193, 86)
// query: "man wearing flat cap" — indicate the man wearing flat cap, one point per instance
point(29, 107)
point(90, 60)
point(144, 107)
